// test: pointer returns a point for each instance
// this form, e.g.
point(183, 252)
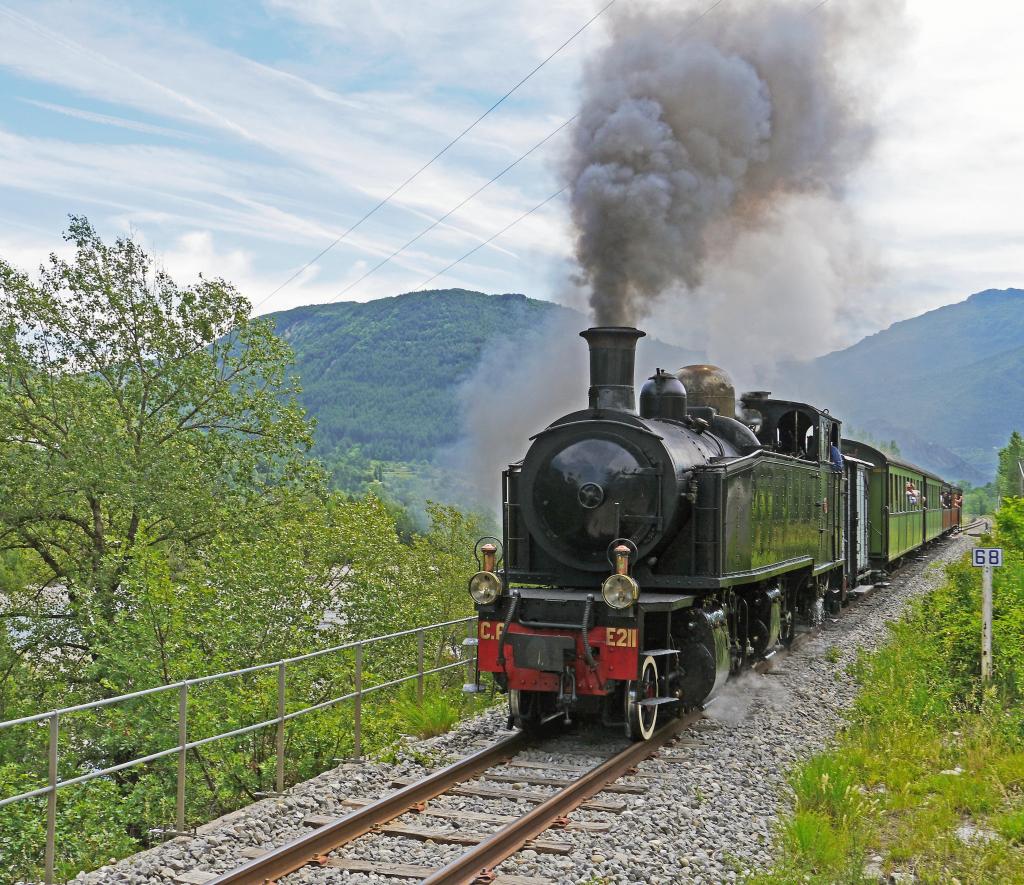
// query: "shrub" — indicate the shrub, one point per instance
point(436, 714)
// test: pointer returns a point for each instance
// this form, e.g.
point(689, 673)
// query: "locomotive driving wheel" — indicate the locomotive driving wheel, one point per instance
point(787, 631)
point(642, 720)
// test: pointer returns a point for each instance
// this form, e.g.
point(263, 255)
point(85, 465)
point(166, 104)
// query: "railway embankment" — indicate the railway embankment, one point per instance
point(708, 811)
point(926, 784)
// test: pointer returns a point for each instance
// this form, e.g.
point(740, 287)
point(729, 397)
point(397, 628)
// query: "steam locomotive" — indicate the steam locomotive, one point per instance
point(648, 555)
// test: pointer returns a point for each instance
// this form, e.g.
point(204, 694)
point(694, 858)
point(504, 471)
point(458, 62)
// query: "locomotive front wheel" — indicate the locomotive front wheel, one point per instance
point(527, 709)
point(640, 720)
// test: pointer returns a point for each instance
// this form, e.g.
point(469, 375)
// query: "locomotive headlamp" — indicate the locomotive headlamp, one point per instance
point(620, 591)
point(484, 587)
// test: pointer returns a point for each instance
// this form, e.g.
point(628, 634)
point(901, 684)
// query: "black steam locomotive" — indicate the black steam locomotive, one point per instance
point(649, 555)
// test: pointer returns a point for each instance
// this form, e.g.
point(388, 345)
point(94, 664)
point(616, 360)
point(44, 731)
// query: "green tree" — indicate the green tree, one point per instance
point(979, 500)
point(134, 414)
point(1009, 480)
point(160, 520)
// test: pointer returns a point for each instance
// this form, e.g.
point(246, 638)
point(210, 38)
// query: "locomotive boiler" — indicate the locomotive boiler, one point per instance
point(647, 553)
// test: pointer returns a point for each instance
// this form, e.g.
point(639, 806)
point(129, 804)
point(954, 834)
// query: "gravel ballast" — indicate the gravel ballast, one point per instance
point(706, 812)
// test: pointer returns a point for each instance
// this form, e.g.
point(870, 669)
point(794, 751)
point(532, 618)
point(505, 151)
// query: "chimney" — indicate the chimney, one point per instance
point(612, 353)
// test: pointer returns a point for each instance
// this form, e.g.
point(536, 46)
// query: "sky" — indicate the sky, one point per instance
point(239, 139)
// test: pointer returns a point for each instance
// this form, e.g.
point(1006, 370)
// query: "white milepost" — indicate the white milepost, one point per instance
point(986, 558)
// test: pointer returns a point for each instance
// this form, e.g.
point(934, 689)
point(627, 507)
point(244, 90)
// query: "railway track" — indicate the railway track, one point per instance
point(496, 772)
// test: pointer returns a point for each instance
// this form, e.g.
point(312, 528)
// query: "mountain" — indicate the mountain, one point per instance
point(946, 385)
point(385, 375)
point(396, 379)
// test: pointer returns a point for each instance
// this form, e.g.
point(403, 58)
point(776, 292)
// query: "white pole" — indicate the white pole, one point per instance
point(986, 624)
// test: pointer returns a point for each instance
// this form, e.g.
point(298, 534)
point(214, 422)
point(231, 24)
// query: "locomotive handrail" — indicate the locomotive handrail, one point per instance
point(53, 717)
point(728, 462)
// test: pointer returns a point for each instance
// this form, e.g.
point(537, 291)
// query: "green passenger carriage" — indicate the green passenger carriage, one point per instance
point(909, 505)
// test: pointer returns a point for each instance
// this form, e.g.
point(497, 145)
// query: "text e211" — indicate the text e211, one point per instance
point(987, 556)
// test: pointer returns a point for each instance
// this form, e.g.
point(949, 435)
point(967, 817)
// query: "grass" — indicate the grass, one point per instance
point(1010, 826)
point(929, 773)
point(439, 712)
point(814, 837)
point(430, 718)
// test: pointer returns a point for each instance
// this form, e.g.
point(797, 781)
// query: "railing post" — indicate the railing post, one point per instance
point(469, 650)
point(279, 780)
point(179, 818)
point(51, 799)
point(986, 624)
point(358, 727)
point(420, 648)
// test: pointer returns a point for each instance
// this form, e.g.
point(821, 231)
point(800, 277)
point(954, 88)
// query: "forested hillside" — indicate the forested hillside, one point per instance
point(384, 375)
point(946, 384)
point(384, 379)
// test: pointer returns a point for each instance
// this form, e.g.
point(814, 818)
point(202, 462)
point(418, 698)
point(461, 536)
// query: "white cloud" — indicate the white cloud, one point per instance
point(29, 47)
point(473, 44)
point(942, 195)
point(107, 120)
point(332, 153)
point(290, 148)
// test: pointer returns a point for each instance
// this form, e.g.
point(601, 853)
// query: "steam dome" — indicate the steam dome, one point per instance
point(709, 386)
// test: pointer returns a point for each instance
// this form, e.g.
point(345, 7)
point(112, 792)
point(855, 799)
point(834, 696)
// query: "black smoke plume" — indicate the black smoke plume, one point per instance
point(693, 131)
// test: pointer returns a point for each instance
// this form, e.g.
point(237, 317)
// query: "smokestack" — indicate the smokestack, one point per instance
point(612, 354)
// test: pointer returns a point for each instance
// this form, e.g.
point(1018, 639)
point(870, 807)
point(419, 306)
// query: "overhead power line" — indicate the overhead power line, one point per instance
point(557, 193)
point(453, 210)
point(492, 238)
point(440, 153)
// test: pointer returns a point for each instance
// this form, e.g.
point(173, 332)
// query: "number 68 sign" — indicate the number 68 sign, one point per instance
point(987, 556)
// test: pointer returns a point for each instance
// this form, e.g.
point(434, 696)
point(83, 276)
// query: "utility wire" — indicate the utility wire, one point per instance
point(440, 153)
point(488, 183)
point(492, 238)
point(543, 203)
point(452, 211)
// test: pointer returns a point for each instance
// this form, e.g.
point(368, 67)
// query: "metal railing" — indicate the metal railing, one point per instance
point(53, 717)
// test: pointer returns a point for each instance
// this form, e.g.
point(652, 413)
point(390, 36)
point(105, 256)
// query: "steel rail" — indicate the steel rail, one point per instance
point(477, 863)
point(507, 841)
point(296, 854)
